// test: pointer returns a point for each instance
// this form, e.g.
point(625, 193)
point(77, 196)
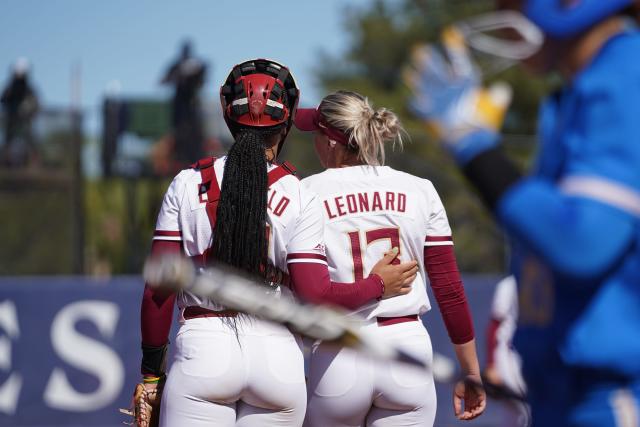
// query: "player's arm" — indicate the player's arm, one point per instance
point(312, 283)
point(576, 235)
point(565, 230)
point(156, 316)
point(575, 231)
point(583, 224)
point(442, 270)
point(448, 290)
point(156, 311)
point(309, 272)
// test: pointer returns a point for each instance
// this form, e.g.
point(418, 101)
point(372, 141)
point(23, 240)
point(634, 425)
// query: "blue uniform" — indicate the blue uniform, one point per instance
point(576, 229)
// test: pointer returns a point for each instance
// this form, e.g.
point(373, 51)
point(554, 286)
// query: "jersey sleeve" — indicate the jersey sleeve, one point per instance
point(168, 225)
point(442, 270)
point(446, 283)
point(306, 244)
point(438, 232)
point(156, 311)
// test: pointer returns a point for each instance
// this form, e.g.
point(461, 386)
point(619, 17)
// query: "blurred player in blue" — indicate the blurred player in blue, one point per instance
point(574, 222)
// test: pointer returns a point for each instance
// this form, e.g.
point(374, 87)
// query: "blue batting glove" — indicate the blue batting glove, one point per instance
point(449, 97)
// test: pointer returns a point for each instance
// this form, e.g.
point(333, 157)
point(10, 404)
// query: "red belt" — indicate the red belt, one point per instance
point(195, 311)
point(386, 321)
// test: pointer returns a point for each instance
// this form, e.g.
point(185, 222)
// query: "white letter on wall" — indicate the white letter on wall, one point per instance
point(10, 390)
point(86, 354)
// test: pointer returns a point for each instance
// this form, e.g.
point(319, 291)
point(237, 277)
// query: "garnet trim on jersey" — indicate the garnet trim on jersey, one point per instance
point(438, 240)
point(388, 321)
point(194, 311)
point(167, 233)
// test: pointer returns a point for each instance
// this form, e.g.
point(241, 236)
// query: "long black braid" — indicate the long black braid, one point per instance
point(240, 233)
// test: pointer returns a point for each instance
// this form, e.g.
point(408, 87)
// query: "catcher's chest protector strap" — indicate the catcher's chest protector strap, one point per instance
point(281, 171)
point(211, 188)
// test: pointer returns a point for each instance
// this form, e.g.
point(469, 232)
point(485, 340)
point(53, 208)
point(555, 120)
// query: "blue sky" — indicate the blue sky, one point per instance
point(133, 41)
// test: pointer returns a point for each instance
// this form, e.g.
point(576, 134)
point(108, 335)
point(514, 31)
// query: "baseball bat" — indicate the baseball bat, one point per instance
point(237, 290)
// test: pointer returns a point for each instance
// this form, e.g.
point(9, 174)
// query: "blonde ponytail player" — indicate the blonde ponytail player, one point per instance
point(369, 208)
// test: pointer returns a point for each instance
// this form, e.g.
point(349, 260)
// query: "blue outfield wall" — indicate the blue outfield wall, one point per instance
point(69, 349)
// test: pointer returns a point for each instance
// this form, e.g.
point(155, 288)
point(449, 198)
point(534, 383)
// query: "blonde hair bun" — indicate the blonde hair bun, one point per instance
point(368, 129)
point(387, 124)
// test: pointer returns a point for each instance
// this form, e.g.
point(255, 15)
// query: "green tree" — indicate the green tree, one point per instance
point(382, 36)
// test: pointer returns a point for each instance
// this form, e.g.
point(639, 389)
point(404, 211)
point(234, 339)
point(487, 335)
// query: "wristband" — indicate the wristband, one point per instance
point(154, 360)
point(152, 380)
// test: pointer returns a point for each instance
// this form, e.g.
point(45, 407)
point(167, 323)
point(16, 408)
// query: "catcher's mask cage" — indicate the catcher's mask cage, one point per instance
point(259, 93)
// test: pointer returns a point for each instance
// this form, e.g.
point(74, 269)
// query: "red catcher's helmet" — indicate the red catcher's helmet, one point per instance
point(259, 93)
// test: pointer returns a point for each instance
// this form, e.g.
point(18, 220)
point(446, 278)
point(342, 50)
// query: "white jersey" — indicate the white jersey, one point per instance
point(371, 209)
point(295, 223)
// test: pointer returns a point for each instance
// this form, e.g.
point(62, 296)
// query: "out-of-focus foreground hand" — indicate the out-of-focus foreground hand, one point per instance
point(447, 94)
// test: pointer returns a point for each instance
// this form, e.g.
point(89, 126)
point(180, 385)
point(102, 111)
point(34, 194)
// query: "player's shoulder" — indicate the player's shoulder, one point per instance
point(195, 171)
point(187, 175)
point(289, 183)
point(620, 49)
point(181, 180)
point(285, 175)
point(376, 176)
point(316, 180)
point(189, 179)
point(404, 175)
point(615, 68)
point(356, 173)
point(420, 183)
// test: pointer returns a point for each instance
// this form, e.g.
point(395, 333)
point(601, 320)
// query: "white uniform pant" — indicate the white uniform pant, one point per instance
point(218, 379)
point(349, 389)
